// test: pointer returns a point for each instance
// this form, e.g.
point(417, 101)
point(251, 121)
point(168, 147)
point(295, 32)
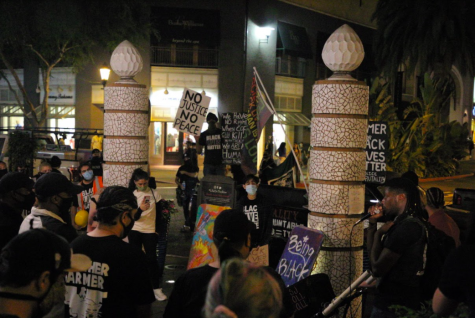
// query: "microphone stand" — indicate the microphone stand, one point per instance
point(345, 296)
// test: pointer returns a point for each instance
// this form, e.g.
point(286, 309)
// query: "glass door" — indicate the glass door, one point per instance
point(173, 145)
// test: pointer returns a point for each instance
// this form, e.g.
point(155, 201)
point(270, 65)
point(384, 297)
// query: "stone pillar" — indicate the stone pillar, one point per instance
point(338, 161)
point(126, 119)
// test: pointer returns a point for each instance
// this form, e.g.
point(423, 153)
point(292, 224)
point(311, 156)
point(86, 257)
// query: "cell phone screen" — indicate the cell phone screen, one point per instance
point(147, 199)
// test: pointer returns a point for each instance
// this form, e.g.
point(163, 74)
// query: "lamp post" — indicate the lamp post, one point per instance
point(126, 118)
point(337, 160)
point(105, 72)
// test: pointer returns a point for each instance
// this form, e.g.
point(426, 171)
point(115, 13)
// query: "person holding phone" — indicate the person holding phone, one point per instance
point(144, 233)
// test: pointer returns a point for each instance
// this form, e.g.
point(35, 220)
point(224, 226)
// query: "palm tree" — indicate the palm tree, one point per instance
point(430, 34)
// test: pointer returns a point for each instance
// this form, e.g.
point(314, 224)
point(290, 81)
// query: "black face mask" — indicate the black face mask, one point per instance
point(127, 228)
point(3, 172)
point(65, 205)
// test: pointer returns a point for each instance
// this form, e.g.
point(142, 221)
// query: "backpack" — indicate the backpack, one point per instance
point(438, 247)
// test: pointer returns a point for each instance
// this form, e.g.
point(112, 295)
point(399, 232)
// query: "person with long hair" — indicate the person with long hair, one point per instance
point(144, 233)
point(241, 289)
point(396, 249)
point(232, 237)
point(281, 152)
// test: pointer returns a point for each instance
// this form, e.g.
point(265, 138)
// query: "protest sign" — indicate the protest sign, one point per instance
point(376, 151)
point(299, 254)
point(284, 219)
point(192, 112)
point(232, 137)
point(203, 251)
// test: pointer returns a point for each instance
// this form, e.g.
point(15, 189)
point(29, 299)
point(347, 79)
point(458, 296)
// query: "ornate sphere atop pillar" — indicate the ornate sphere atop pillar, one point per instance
point(343, 53)
point(126, 62)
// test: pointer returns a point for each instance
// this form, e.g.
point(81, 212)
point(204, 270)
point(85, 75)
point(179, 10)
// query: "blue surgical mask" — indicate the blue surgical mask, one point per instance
point(251, 189)
point(88, 175)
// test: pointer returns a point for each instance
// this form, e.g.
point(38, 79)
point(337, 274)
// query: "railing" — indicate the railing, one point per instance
point(290, 67)
point(191, 57)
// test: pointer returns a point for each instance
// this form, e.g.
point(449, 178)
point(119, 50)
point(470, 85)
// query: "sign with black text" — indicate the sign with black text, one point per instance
point(192, 112)
point(232, 137)
point(285, 218)
point(376, 151)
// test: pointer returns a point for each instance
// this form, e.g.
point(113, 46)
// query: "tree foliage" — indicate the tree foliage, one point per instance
point(429, 34)
point(56, 32)
point(421, 141)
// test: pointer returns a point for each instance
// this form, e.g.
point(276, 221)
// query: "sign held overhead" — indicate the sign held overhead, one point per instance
point(192, 112)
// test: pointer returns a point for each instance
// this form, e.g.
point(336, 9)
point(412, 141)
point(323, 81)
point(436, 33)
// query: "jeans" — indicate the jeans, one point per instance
point(149, 242)
point(216, 170)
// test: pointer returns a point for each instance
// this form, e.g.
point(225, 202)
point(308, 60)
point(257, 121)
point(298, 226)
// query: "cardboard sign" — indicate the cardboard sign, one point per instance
point(376, 151)
point(259, 256)
point(192, 112)
point(285, 219)
point(299, 254)
point(202, 250)
point(232, 137)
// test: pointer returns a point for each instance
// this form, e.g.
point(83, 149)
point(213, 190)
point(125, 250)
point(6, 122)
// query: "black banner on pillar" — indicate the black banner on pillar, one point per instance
point(376, 151)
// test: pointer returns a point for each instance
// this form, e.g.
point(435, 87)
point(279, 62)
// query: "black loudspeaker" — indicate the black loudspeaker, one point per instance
point(310, 295)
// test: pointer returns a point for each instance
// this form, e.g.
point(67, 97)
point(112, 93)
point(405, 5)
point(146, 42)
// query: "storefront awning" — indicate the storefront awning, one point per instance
point(293, 40)
point(292, 119)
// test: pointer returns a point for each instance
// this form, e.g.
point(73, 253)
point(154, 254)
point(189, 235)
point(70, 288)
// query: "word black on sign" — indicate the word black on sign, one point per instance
point(376, 151)
point(232, 137)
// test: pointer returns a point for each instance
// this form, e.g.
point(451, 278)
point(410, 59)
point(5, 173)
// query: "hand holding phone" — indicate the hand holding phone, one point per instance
point(147, 199)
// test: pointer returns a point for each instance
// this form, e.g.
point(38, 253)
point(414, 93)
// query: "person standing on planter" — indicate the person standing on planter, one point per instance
point(144, 233)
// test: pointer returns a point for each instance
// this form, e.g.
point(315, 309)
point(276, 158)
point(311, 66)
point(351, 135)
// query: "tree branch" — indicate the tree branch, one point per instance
point(38, 53)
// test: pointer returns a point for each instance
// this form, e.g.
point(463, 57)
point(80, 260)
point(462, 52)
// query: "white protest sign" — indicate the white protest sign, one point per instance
point(192, 112)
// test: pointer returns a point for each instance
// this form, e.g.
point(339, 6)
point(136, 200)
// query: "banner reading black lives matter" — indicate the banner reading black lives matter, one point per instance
point(376, 151)
point(192, 112)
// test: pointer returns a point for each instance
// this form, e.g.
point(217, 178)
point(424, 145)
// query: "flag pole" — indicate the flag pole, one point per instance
point(282, 126)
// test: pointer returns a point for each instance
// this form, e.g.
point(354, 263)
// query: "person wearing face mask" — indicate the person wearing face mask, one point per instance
point(91, 185)
point(32, 267)
point(257, 210)
point(187, 178)
point(55, 195)
point(144, 234)
point(45, 167)
point(211, 140)
point(118, 283)
point(3, 169)
point(16, 194)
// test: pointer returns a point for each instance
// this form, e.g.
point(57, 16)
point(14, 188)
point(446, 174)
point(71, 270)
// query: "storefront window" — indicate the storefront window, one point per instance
point(157, 148)
point(172, 143)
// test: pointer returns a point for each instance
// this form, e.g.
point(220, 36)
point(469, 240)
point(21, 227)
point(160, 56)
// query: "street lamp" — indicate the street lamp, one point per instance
point(105, 72)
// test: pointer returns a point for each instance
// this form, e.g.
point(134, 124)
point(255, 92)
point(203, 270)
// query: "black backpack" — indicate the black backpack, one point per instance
point(439, 245)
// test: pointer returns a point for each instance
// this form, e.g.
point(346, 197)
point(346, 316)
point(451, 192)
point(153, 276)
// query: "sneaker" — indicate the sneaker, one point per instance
point(185, 229)
point(159, 295)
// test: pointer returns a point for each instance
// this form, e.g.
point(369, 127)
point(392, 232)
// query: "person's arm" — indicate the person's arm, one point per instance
point(178, 183)
point(441, 305)
point(189, 174)
point(91, 224)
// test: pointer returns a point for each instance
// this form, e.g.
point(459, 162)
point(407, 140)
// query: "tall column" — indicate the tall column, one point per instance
point(126, 119)
point(337, 160)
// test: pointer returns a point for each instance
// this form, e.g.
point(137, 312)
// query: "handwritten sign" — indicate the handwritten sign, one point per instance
point(285, 219)
point(192, 112)
point(376, 151)
point(299, 254)
point(232, 137)
point(259, 256)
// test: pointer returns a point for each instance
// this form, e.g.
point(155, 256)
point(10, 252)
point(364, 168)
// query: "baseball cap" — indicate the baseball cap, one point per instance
point(232, 224)
point(39, 250)
point(53, 183)
point(14, 181)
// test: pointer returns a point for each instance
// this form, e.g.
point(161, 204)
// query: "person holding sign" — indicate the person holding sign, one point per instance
point(211, 140)
point(257, 210)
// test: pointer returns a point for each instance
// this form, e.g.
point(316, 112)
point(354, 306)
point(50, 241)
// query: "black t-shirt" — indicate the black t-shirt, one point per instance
point(401, 285)
point(10, 222)
point(116, 283)
point(190, 182)
point(189, 293)
point(212, 143)
point(458, 277)
point(86, 195)
point(258, 212)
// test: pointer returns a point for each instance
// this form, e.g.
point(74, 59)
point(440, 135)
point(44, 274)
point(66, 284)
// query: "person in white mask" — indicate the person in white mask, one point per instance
point(258, 211)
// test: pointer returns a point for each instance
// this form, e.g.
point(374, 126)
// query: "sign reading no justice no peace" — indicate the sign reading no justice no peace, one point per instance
point(192, 112)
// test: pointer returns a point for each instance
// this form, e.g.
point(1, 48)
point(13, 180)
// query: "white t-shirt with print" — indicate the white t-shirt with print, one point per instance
point(146, 223)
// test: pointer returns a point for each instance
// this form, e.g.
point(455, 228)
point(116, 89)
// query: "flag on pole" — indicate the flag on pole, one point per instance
point(258, 114)
point(283, 175)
